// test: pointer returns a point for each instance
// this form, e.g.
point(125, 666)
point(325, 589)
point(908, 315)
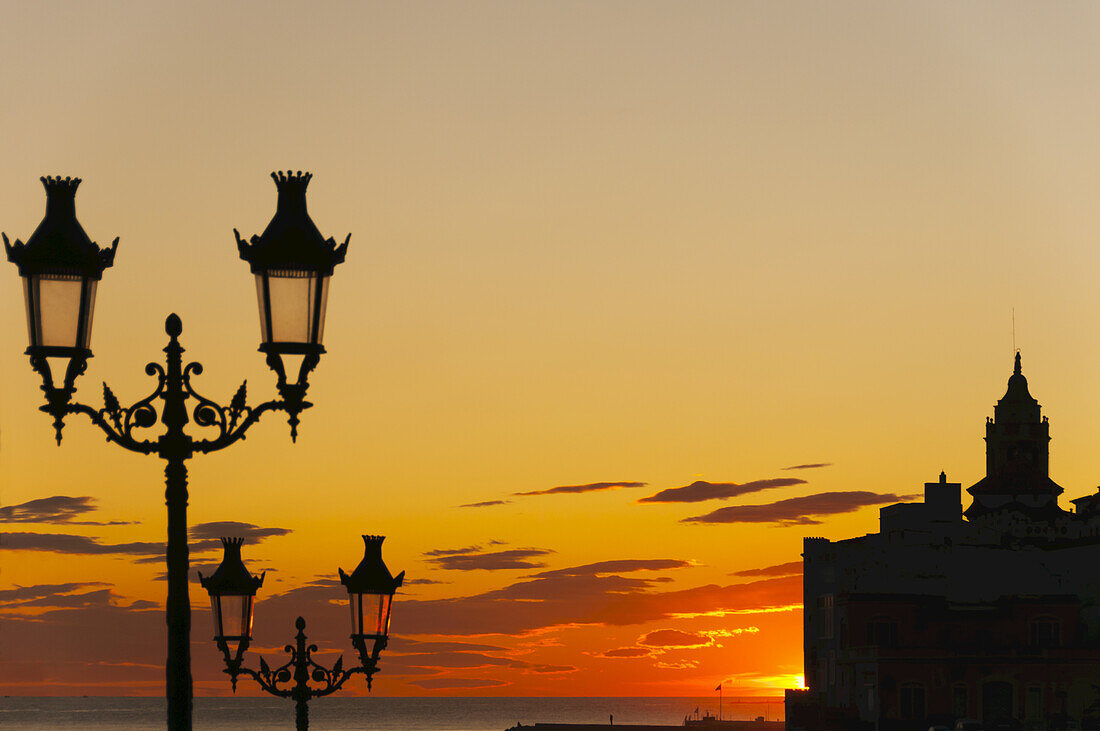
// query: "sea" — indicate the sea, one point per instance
point(406, 714)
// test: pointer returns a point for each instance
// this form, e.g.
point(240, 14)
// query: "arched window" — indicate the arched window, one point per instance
point(911, 701)
point(959, 701)
point(1045, 632)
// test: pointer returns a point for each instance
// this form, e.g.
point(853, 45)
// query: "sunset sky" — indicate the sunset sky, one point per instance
point(614, 266)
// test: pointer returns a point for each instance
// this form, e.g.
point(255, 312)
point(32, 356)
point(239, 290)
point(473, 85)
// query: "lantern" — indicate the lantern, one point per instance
point(292, 263)
point(60, 267)
point(370, 594)
point(232, 591)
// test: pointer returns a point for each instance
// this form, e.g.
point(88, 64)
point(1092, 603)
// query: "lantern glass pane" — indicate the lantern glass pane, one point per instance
point(294, 301)
point(57, 311)
point(216, 613)
point(235, 612)
point(324, 308)
point(370, 614)
point(290, 306)
point(28, 300)
point(263, 308)
point(88, 313)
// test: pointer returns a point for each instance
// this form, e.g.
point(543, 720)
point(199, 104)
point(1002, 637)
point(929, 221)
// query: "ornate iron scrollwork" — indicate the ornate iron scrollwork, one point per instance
point(300, 668)
point(173, 385)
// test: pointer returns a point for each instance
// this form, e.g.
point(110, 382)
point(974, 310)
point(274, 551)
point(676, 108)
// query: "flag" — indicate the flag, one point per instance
point(719, 687)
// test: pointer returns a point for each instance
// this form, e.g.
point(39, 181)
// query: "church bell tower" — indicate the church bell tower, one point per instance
point(1017, 433)
point(1017, 455)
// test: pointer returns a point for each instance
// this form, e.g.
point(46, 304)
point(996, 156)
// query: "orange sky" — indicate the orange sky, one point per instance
point(615, 242)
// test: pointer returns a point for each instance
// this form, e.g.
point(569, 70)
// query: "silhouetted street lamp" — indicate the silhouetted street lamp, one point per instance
point(370, 595)
point(61, 267)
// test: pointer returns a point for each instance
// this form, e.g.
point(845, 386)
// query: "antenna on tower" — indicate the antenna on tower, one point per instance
point(1014, 348)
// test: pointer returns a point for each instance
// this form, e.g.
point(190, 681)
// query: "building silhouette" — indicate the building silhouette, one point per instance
point(991, 614)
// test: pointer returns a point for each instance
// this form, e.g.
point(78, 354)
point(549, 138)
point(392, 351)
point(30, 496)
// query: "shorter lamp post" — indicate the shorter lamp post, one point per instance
point(370, 593)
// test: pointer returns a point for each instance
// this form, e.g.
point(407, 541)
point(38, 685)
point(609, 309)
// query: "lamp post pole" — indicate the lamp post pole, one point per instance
point(175, 449)
point(60, 255)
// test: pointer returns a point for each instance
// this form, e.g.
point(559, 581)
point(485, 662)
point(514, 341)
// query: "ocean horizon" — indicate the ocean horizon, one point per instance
point(388, 714)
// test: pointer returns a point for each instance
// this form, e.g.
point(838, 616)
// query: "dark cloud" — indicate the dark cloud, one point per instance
point(451, 660)
point(794, 568)
point(513, 558)
point(540, 603)
point(452, 551)
point(143, 604)
point(674, 638)
point(799, 510)
point(98, 598)
point(809, 466)
point(405, 672)
point(55, 509)
point(590, 487)
point(416, 582)
point(202, 541)
point(65, 543)
point(22, 594)
point(232, 529)
point(405, 646)
point(699, 490)
point(328, 581)
point(616, 567)
point(446, 683)
point(485, 504)
point(552, 669)
point(627, 652)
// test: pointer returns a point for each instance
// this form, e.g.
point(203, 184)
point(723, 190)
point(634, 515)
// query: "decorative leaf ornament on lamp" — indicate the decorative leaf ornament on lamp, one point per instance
point(60, 267)
point(292, 263)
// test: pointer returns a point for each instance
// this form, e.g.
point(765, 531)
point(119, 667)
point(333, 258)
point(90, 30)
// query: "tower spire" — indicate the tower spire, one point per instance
point(1016, 371)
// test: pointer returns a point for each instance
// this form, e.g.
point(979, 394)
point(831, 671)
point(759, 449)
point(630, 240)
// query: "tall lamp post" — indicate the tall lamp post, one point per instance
point(370, 595)
point(61, 267)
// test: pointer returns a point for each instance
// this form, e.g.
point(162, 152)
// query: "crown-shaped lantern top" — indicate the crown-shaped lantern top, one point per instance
point(292, 190)
point(292, 240)
point(371, 575)
point(59, 245)
point(231, 577)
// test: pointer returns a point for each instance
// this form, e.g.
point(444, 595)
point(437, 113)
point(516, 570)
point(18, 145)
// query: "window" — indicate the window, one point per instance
point(911, 700)
point(996, 701)
point(1034, 703)
point(1045, 632)
point(883, 632)
point(825, 606)
point(959, 701)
